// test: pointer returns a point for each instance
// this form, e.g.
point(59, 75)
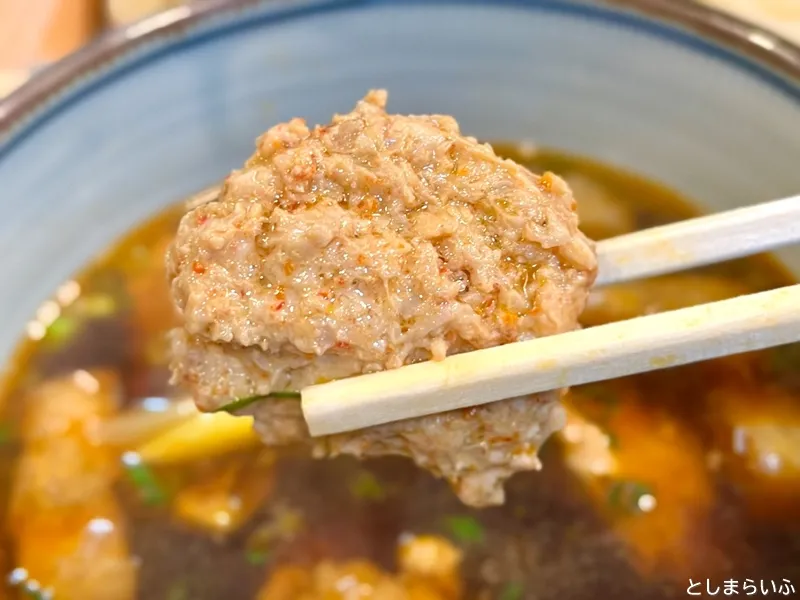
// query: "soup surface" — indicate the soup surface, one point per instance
point(118, 489)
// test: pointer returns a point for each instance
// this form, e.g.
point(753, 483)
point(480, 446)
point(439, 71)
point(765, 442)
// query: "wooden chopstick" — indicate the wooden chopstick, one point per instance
point(697, 242)
point(668, 339)
point(649, 343)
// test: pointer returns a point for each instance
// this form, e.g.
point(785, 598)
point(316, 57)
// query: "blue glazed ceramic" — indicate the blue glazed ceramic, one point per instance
point(163, 108)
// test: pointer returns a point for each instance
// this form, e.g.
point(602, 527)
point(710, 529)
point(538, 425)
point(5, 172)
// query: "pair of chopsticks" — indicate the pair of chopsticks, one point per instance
point(743, 324)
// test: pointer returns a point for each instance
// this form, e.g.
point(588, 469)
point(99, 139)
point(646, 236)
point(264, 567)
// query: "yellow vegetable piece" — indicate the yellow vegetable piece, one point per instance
point(204, 436)
point(137, 425)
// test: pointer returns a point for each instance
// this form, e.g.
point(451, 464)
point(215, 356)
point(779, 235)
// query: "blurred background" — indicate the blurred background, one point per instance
point(35, 32)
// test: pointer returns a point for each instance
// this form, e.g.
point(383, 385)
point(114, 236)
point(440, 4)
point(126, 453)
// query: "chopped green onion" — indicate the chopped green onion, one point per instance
point(30, 588)
point(465, 529)
point(178, 591)
point(7, 433)
point(257, 557)
point(283, 525)
point(625, 495)
point(61, 331)
point(600, 393)
point(150, 489)
point(512, 591)
point(240, 403)
point(367, 487)
point(605, 401)
point(97, 306)
point(288, 522)
point(785, 360)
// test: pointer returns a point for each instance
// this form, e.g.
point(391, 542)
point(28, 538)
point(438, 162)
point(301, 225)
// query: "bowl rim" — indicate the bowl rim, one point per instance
point(759, 50)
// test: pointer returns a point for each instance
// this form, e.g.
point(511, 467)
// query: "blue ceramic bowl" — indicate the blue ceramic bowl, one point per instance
point(165, 107)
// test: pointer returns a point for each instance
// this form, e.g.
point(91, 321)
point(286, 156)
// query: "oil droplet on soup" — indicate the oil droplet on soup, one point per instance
point(119, 489)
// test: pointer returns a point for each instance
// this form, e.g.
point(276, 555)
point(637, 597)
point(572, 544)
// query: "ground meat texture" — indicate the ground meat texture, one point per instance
point(373, 242)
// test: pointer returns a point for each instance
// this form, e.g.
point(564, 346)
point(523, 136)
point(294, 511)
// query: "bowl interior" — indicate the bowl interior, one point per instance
point(181, 109)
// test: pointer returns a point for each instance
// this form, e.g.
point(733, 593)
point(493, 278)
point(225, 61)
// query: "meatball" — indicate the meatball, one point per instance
point(376, 241)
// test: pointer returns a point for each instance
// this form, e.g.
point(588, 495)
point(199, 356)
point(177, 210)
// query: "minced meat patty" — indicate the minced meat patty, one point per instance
point(373, 242)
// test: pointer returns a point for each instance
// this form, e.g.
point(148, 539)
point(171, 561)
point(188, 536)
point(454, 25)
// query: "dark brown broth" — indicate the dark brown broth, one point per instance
point(552, 537)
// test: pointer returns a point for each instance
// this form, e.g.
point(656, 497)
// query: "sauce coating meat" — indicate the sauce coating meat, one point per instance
point(373, 242)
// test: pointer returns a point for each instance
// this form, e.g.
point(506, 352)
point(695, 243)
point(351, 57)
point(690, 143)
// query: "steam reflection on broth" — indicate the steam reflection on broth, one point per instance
point(119, 489)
